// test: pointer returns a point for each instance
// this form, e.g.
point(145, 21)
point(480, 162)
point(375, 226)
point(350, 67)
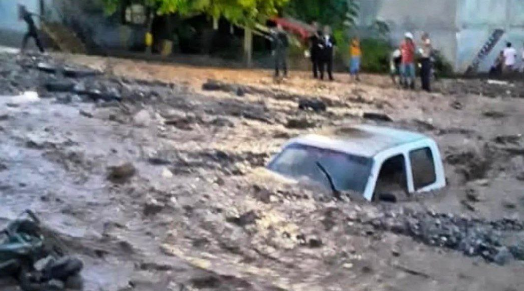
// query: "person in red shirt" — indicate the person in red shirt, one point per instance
point(407, 49)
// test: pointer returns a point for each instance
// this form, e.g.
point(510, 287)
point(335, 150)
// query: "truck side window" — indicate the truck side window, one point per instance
point(423, 168)
point(392, 177)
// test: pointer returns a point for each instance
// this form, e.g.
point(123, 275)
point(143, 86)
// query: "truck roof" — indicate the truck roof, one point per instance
point(360, 140)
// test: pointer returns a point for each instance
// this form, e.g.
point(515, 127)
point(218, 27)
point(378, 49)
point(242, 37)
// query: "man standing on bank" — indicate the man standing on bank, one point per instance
point(425, 60)
point(314, 49)
point(32, 31)
point(328, 44)
point(280, 48)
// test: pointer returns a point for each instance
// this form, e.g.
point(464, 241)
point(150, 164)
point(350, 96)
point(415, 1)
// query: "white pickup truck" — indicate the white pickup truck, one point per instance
point(376, 162)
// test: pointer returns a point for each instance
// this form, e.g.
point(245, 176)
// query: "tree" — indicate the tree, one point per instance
point(336, 13)
point(241, 12)
point(246, 13)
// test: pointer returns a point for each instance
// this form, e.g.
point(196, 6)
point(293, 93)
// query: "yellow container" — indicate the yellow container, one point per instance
point(149, 39)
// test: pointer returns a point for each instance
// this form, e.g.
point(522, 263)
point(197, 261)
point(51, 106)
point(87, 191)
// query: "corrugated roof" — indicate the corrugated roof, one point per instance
point(361, 140)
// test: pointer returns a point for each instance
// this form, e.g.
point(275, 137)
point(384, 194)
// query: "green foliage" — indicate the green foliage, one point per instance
point(442, 66)
point(336, 13)
point(375, 55)
point(244, 12)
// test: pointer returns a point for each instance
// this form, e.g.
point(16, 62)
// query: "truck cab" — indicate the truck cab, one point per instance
point(374, 162)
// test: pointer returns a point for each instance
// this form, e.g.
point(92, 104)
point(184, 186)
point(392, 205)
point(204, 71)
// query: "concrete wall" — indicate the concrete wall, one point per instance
point(477, 19)
point(438, 17)
point(11, 28)
point(459, 28)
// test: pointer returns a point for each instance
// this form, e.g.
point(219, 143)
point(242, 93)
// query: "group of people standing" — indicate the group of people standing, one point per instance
point(506, 62)
point(322, 46)
point(403, 61)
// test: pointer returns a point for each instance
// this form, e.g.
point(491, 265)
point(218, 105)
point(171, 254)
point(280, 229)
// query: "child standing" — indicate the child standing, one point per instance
point(356, 55)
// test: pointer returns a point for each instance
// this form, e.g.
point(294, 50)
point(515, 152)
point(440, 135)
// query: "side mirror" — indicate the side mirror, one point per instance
point(387, 197)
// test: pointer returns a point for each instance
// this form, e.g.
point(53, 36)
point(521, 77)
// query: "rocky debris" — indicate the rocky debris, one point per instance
point(494, 114)
point(472, 195)
point(315, 105)
point(456, 105)
point(121, 173)
point(299, 123)
point(184, 122)
point(86, 113)
point(215, 85)
point(377, 116)
point(470, 163)
point(59, 85)
point(152, 207)
point(3, 167)
point(4, 116)
point(143, 118)
point(222, 122)
point(243, 220)
point(473, 237)
point(425, 125)
point(508, 139)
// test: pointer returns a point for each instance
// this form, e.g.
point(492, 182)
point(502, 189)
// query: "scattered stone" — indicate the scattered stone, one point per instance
point(240, 92)
point(212, 85)
point(166, 173)
point(494, 114)
point(158, 161)
point(315, 242)
point(3, 167)
point(503, 256)
point(377, 116)
point(505, 139)
point(152, 207)
point(472, 195)
point(80, 73)
point(395, 252)
point(299, 123)
point(183, 122)
point(315, 105)
point(85, 113)
point(245, 219)
point(457, 105)
point(509, 204)
point(59, 86)
point(426, 125)
point(143, 118)
point(122, 173)
point(222, 122)
point(46, 67)
point(4, 116)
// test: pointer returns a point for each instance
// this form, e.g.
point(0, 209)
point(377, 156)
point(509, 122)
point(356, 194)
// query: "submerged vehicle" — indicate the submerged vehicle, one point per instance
point(27, 255)
point(377, 163)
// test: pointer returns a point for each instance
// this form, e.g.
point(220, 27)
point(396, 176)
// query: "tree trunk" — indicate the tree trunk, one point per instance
point(248, 47)
point(215, 23)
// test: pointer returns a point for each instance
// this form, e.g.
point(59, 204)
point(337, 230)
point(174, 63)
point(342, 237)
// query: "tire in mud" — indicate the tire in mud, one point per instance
point(64, 268)
point(28, 281)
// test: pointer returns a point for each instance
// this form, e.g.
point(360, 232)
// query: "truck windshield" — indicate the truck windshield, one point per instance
point(349, 172)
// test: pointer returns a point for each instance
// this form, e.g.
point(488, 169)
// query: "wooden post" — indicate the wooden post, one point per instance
point(248, 47)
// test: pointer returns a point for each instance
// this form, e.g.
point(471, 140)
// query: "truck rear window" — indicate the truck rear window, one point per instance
point(423, 168)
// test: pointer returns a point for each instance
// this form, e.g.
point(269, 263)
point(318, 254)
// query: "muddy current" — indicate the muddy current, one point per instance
point(154, 180)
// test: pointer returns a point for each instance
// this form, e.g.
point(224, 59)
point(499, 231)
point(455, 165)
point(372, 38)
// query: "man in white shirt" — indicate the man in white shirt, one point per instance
point(510, 57)
point(522, 61)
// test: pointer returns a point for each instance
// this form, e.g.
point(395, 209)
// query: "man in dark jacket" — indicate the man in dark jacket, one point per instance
point(314, 49)
point(32, 31)
point(327, 45)
point(280, 45)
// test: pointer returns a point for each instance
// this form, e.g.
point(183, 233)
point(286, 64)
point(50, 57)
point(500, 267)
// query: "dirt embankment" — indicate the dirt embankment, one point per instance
point(154, 181)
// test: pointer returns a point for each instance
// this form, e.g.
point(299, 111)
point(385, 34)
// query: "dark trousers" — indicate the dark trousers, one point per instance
point(425, 74)
point(32, 34)
point(280, 63)
point(316, 67)
point(329, 65)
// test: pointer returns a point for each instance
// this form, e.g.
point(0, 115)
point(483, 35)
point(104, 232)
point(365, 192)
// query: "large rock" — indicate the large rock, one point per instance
point(143, 118)
point(299, 123)
point(121, 173)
